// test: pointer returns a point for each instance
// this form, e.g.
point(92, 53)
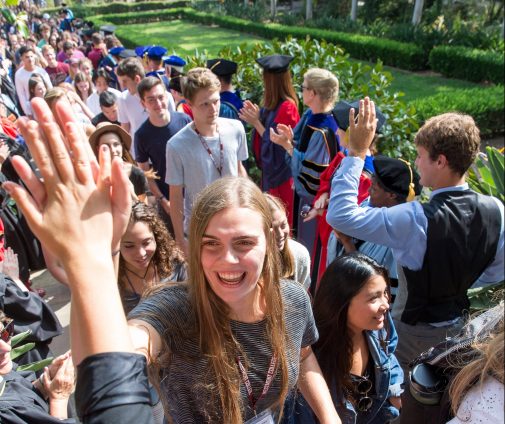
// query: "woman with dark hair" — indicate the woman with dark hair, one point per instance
point(280, 106)
point(36, 86)
point(101, 81)
point(357, 340)
point(148, 256)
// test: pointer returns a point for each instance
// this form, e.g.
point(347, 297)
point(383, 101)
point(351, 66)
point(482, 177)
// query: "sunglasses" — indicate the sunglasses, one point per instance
point(7, 331)
point(364, 402)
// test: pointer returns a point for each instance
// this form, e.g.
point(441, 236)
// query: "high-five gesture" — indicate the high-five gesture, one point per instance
point(362, 128)
point(73, 211)
point(77, 201)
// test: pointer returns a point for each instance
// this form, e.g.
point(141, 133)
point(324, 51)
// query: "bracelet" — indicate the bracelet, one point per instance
point(115, 253)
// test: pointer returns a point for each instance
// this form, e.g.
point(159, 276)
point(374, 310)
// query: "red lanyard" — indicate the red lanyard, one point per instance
point(207, 148)
point(247, 382)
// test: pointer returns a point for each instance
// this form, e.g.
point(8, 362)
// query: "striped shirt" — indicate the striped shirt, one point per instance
point(188, 383)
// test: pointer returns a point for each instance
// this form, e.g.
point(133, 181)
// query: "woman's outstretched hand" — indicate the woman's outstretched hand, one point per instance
point(73, 209)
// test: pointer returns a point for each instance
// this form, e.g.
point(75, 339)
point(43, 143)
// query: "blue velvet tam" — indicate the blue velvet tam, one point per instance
point(341, 114)
point(116, 50)
point(155, 52)
point(174, 60)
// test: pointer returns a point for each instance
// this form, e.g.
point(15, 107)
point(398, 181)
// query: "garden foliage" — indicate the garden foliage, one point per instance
point(356, 81)
point(401, 55)
point(484, 104)
point(469, 64)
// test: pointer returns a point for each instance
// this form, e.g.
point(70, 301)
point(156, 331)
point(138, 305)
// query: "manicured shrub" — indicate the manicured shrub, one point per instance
point(356, 81)
point(469, 64)
point(402, 55)
point(484, 104)
point(85, 11)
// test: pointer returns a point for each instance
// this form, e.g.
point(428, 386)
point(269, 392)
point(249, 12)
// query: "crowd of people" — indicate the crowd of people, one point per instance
point(200, 296)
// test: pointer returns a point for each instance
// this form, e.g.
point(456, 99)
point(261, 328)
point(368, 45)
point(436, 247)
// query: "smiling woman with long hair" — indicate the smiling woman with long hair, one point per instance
point(148, 256)
point(357, 341)
point(234, 323)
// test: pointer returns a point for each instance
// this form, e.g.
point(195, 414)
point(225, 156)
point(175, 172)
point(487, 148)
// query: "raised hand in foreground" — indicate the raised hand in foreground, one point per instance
point(362, 128)
point(72, 212)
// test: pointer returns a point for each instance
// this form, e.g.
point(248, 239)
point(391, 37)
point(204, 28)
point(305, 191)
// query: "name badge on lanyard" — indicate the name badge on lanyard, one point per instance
point(265, 417)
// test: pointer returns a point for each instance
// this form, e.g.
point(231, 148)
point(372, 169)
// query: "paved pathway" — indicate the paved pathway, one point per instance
point(58, 297)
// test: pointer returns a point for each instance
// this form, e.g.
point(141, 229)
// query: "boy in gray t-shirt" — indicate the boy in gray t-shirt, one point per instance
point(203, 151)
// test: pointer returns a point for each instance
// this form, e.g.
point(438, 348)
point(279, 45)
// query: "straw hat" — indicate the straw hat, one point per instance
point(107, 127)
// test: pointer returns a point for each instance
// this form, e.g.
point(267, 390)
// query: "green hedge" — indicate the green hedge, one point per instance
point(113, 8)
point(469, 64)
point(485, 104)
point(401, 55)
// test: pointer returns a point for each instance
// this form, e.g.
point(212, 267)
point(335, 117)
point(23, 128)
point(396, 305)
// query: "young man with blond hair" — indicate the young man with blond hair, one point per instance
point(205, 150)
point(57, 71)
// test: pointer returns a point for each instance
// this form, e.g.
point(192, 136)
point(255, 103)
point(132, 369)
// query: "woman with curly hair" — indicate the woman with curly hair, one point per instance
point(148, 256)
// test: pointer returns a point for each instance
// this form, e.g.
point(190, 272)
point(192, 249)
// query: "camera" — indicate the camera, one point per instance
point(305, 211)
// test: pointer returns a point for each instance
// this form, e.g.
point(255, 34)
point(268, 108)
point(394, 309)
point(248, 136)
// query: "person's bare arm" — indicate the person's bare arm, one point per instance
point(177, 216)
point(145, 339)
point(314, 388)
point(153, 187)
point(126, 126)
point(241, 170)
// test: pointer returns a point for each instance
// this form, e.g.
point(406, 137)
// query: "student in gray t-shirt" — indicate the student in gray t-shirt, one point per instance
point(203, 151)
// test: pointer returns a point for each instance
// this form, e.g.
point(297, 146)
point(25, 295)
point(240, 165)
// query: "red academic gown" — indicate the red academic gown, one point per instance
point(276, 174)
point(323, 228)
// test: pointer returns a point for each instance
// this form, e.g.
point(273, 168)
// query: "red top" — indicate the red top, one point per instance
point(95, 55)
point(287, 114)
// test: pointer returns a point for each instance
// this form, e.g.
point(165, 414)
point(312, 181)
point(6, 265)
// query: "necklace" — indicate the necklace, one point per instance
point(207, 148)
point(143, 278)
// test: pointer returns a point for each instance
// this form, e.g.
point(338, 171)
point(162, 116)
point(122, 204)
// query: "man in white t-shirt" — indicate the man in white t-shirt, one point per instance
point(23, 75)
point(205, 150)
point(131, 112)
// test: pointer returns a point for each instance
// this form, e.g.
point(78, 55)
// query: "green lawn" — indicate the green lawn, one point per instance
point(184, 37)
point(416, 86)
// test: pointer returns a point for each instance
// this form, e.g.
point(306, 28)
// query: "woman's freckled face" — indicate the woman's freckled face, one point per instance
point(233, 251)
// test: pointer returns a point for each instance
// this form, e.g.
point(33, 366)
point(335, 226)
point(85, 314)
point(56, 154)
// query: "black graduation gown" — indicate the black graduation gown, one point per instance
point(29, 312)
point(20, 403)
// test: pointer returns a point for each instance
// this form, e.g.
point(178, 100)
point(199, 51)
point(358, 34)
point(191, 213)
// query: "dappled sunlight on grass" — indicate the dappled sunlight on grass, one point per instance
point(184, 37)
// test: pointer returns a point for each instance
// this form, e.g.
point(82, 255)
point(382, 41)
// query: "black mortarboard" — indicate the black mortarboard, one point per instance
point(341, 114)
point(276, 63)
point(126, 53)
point(222, 67)
point(397, 175)
point(88, 32)
point(108, 29)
